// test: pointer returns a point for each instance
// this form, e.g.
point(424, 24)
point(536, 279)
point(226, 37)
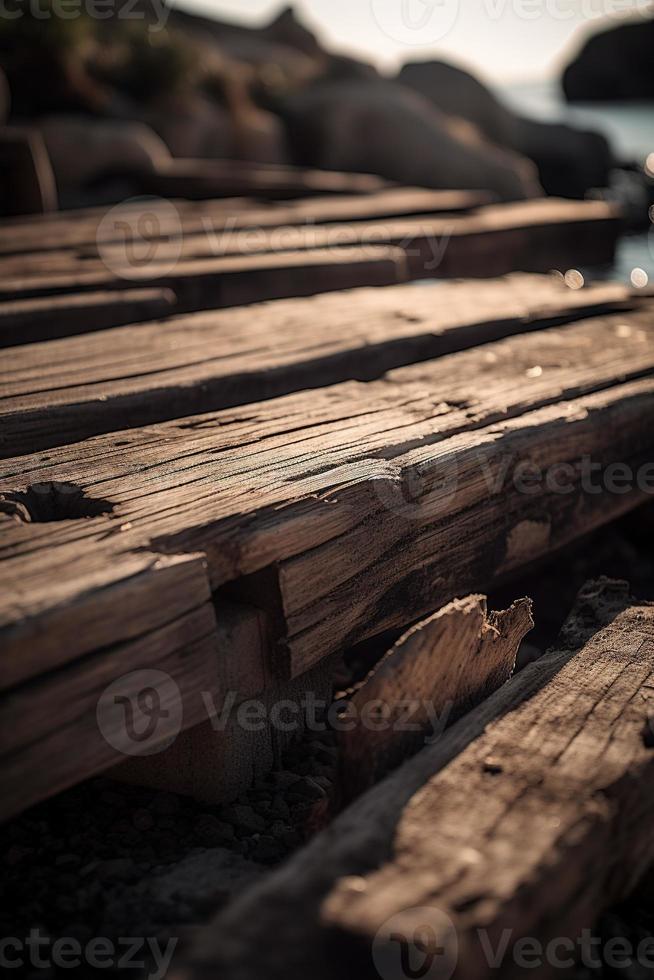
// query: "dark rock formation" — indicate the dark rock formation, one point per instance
point(570, 161)
point(614, 65)
point(377, 126)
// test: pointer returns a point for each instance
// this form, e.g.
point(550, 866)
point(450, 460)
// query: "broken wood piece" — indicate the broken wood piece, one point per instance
point(61, 392)
point(437, 670)
point(524, 820)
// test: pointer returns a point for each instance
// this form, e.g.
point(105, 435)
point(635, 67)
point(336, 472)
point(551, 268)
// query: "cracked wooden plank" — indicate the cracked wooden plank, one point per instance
point(60, 392)
point(356, 508)
point(525, 819)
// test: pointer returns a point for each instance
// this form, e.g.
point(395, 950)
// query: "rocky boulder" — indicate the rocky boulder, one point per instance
point(614, 65)
point(83, 149)
point(570, 161)
point(376, 126)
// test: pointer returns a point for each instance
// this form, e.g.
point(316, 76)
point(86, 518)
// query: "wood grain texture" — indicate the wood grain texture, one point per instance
point(73, 230)
point(235, 280)
point(60, 392)
point(531, 814)
point(437, 670)
point(360, 507)
point(30, 321)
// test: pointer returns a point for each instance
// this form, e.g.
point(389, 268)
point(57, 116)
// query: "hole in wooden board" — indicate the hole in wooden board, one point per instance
point(42, 503)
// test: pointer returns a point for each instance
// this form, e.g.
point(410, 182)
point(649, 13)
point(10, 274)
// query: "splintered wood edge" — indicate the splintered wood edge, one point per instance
point(439, 668)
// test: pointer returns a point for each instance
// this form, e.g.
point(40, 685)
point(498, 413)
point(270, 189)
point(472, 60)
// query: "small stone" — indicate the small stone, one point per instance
point(280, 808)
point(309, 789)
point(325, 782)
point(211, 831)
point(16, 854)
point(143, 820)
point(67, 860)
point(165, 804)
point(284, 779)
point(244, 818)
point(291, 839)
point(266, 849)
point(116, 868)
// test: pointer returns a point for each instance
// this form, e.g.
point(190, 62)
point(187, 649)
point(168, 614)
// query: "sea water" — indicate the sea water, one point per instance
point(629, 127)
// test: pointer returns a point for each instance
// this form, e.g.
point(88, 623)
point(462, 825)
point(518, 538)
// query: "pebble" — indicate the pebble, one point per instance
point(209, 830)
point(142, 819)
point(244, 817)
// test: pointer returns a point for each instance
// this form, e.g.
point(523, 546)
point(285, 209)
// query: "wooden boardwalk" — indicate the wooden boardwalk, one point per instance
point(179, 453)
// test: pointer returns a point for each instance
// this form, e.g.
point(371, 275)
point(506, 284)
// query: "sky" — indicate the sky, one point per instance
point(504, 40)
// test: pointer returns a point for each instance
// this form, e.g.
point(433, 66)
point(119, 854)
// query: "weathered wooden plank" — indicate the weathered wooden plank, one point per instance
point(440, 668)
point(57, 393)
point(30, 321)
point(68, 230)
point(231, 281)
point(62, 728)
point(526, 818)
point(88, 605)
point(532, 236)
point(361, 506)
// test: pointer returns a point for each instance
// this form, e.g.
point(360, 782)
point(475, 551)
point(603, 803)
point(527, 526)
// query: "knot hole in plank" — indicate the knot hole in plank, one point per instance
point(52, 501)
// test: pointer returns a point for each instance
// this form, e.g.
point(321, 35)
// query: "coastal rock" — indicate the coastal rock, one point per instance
point(83, 149)
point(614, 65)
point(375, 126)
point(570, 161)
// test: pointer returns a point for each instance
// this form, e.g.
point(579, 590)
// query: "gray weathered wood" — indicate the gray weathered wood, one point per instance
point(58, 393)
point(526, 818)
